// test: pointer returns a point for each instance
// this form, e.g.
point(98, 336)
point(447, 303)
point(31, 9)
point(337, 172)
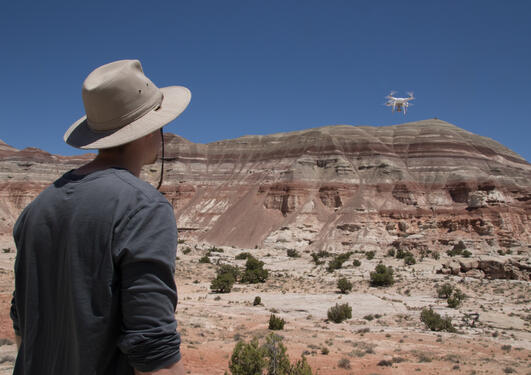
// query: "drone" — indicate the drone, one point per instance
point(399, 103)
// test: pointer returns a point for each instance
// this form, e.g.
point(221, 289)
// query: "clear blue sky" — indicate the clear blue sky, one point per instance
point(261, 67)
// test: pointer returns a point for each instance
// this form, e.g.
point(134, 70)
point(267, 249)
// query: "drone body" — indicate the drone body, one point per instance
point(399, 103)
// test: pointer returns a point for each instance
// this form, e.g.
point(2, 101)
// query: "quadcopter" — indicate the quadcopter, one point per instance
point(399, 103)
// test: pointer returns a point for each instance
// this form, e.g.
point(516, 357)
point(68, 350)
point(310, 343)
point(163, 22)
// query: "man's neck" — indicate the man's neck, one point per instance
point(108, 159)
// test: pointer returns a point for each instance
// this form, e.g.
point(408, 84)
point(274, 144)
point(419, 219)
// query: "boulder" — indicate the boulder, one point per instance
point(454, 266)
point(497, 269)
point(468, 264)
point(475, 273)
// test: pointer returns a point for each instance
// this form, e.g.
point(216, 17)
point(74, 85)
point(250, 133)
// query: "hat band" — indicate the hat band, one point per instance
point(128, 118)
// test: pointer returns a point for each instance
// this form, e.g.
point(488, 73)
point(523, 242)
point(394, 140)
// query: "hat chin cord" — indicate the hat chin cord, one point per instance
point(162, 161)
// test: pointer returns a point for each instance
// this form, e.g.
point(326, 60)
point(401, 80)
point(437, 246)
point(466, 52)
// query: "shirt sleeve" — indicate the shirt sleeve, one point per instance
point(14, 316)
point(145, 259)
point(17, 229)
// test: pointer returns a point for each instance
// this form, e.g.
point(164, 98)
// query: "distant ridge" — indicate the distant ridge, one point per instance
point(338, 187)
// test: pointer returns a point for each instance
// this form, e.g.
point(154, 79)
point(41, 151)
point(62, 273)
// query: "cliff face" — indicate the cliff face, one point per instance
point(421, 185)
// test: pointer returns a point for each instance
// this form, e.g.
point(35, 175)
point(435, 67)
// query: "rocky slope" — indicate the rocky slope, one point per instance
point(421, 186)
point(424, 184)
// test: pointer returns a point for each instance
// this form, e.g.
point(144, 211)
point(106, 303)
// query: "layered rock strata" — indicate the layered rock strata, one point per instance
point(341, 187)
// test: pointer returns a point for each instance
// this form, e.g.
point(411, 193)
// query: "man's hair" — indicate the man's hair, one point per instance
point(117, 149)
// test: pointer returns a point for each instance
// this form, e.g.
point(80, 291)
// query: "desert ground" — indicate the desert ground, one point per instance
point(384, 335)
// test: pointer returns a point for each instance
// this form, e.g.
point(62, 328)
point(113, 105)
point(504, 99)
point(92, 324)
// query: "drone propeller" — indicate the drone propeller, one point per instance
point(410, 94)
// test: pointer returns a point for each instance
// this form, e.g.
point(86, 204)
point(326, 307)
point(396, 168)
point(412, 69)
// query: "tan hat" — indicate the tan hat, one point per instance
point(121, 105)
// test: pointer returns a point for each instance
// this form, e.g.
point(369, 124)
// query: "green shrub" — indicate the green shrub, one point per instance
point(321, 254)
point(452, 253)
point(455, 300)
point(225, 278)
point(186, 250)
point(292, 253)
point(409, 260)
point(370, 254)
point(382, 276)
point(401, 254)
point(204, 259)
point(254, 276)
point(344, 285)
point(356, 263)
point(222, 283)
point(334, 264)
point(391, 252)
point(435, 322)
point(242, 256)
point(339, 313)
point(257, 301)
point(316, 259)
point(275, 353)
point(435, 255)
point(276, 323)
point(467, 254)
point(227, 268)
point(338, 261)
point(458, 249)
point(344, 363)
point(301, 367)
point(460, 246)
point(445, 290)
point(214, 249)
point(247, 359)
point(254, 271)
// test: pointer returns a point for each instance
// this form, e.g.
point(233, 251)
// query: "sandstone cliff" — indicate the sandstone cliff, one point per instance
point(422, 185)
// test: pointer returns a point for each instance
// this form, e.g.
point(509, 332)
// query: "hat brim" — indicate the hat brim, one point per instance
point(174, 102)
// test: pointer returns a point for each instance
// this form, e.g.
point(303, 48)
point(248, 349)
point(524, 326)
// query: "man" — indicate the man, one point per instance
point(94, 287)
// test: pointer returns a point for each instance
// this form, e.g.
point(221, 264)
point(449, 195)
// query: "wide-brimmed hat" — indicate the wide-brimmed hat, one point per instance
point(121, 105)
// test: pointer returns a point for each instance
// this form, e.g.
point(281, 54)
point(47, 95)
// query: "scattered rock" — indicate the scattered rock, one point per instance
point(491, 268)
point(468, 264)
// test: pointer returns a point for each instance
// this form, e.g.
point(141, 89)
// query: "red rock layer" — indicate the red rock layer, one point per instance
point(336, 187)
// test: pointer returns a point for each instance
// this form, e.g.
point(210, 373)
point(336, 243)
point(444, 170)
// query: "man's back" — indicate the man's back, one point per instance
point(94, 278)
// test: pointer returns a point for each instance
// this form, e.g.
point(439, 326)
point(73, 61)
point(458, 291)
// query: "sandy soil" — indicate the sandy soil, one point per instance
point(301, 293)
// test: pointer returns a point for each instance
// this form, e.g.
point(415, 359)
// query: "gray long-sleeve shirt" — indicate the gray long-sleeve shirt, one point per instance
point(94, 287)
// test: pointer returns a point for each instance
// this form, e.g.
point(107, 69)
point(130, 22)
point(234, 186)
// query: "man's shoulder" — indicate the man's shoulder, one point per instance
point(104, 187)
point(124, 180)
